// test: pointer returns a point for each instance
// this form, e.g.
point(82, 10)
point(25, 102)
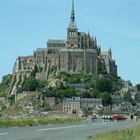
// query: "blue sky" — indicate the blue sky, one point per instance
point(27, 24)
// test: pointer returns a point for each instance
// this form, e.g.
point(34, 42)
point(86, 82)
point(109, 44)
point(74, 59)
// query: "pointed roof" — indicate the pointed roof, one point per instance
point(72, 12)
point(72, 23)
point(110, 52)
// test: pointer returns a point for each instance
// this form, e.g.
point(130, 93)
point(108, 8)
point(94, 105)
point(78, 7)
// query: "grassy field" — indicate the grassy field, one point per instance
point(4, 123)
point(126, 134)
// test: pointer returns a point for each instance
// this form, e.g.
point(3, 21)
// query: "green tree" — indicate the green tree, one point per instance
point(57, 92)
point(96, 93)
point(31, 84)
point(106, 98)
point(75, 78)
point(6, 79)
point(4, 85)
point(103, 85)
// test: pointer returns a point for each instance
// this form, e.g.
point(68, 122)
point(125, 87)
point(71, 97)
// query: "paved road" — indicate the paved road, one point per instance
point(61, 132)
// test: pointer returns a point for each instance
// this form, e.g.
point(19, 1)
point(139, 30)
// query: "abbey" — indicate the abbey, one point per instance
point(79, 53)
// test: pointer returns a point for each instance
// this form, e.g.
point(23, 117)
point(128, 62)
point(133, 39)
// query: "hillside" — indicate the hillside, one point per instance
point(68, 85)
point(33, 96)
point(4, 85)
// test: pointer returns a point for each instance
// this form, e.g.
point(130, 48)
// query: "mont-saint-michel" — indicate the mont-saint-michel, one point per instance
point(68, 78)
point(79, 53)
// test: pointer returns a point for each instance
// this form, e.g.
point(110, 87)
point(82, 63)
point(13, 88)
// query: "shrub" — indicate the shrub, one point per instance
point(4, 123)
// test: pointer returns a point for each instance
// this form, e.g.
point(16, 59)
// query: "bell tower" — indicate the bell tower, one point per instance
point(72, 31)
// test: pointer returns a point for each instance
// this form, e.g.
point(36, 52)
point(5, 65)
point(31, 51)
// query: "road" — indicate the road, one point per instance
point(61, 132)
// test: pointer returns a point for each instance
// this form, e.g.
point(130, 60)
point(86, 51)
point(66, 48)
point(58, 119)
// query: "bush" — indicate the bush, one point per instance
point(31, 84)
point(4, 85)
point(4, 123)
point(104, 85)
point(106, 98)
point(75, 78)
point(126, 134)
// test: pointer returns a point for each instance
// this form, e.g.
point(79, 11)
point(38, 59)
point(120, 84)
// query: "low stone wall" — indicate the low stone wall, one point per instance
point(24, 94)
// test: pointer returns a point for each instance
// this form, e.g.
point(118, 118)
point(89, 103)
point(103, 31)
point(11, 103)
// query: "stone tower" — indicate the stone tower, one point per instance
point(72, 30)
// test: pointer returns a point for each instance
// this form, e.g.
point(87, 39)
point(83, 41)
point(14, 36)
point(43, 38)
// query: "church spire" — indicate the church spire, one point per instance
point(72, 23)
point(72, 30)
point(72, 12)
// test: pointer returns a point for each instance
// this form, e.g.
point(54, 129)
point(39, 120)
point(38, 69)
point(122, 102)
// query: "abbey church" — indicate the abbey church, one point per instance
point(79, 53)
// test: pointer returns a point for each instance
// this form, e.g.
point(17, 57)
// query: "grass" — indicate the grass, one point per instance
point(5, 123)
point(126, 134)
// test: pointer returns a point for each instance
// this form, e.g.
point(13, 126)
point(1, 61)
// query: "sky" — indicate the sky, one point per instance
point(26, 25)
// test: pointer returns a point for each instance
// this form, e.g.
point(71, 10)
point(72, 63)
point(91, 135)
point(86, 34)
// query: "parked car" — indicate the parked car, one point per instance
point(119, 117)
point(94, 117)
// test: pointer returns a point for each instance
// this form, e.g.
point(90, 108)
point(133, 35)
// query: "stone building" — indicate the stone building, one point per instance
point(90, 105)
point(82, 106)
point(79, 53)
point(110, 64)
point(71, 105)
